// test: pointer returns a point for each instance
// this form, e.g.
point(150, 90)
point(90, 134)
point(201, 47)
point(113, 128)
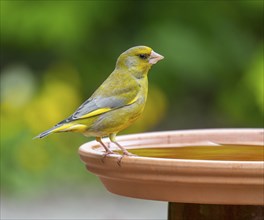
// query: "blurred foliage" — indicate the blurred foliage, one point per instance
point(54, 54)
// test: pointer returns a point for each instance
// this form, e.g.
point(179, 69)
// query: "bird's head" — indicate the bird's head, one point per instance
point(139, 59)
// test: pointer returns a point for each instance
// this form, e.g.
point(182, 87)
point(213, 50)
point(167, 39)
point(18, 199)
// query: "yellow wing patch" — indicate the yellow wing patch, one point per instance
point(103, 110)
point(71, 127)
point(96, 112)
point(133, 100)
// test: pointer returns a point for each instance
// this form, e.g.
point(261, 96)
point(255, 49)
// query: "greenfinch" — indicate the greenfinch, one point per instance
point(117, 103)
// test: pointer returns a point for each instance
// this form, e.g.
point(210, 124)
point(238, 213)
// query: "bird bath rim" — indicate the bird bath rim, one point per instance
point(181, 180)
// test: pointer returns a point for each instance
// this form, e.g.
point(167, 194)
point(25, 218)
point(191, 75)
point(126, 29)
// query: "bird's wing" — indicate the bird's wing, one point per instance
point(100, 104)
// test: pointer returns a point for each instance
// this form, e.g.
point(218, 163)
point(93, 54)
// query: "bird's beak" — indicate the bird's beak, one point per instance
point(155, 57)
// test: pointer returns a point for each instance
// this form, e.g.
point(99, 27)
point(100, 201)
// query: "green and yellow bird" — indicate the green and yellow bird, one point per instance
point(117, 103)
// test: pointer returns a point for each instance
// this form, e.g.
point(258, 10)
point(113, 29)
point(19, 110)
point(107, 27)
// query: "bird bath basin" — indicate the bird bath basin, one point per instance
point(213, 166)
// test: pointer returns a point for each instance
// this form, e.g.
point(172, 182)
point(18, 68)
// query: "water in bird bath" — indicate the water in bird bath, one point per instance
point(222, 152)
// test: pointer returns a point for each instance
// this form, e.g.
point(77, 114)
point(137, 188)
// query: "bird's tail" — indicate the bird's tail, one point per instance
point(46, 133)
point(61, 127)
point(57, 128)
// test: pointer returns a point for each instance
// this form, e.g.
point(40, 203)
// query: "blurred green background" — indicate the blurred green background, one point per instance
point(54, 54)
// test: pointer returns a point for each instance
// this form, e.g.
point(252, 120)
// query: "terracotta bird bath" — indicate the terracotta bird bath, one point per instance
point(203, 174)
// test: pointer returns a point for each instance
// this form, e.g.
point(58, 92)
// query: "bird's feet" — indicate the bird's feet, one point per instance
point(106, 153)
point(125, 154)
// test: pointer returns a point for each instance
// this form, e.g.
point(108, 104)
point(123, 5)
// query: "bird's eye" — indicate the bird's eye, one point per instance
point(143, 56)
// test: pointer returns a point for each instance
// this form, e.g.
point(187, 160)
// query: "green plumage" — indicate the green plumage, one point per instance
point(118, 102)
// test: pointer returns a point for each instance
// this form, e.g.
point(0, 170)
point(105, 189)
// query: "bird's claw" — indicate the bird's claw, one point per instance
point(109, 152)
point(125, 153)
